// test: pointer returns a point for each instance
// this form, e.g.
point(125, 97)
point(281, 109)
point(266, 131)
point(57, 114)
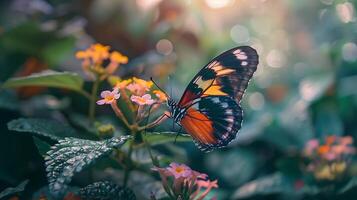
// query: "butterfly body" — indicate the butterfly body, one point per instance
point(209, 109)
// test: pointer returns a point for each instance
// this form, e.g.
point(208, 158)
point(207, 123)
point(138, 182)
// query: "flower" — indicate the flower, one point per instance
point(209, 185)
point(99, 53)
point(143, 100)
point(310, 146)
point(93, 58)
point(119, 58)
point(179, 179)
point(116, 58)
point(109, 97)
point(122, 84)
point(180, 170)
point(137, 89)
point(143, 83)
point(160, 95)
point(329, 160)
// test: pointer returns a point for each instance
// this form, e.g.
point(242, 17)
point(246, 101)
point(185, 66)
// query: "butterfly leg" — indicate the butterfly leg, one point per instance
point(159, 120)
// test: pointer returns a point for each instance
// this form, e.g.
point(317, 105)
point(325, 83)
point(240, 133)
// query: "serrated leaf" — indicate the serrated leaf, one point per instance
point(157, 138)
point(106, 190)
point(48, 78)
point(271, 184)
point(350, 184)
point(14, 190)
point(72, 155)
point(51, 129)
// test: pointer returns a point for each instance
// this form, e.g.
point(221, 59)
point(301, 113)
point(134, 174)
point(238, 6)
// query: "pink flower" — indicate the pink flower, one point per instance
point(109, 97)
point(180, 170)
point(179, 179)
point(209, 185)
point(136, 89)
point(347, 140)
point(311, 145)
point(143, 100)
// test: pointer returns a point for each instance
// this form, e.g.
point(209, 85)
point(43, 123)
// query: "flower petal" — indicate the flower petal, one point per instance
point(101, 102)
point(105, 93)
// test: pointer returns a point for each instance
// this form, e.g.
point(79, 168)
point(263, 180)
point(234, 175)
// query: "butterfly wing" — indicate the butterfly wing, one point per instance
point(226, 75)
point(213, 121)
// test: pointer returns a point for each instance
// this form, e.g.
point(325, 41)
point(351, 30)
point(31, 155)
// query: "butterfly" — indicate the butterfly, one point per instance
point(209, 109)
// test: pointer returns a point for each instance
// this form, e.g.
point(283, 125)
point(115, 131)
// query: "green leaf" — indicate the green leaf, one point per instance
point(9, 191)
point(72, 155)
point(48, 78)
point(42, 146)
point(157, 138)
point(8, 100)
point(106, 190)
point(271, 184)
point(350, 185)
point(245, 165)
point(51, 129)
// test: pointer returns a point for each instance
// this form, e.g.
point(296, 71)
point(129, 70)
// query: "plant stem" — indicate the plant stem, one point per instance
point(93, 98)
point(128, 164)
point(121, 116)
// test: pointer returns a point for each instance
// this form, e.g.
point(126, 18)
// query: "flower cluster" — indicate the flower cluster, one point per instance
point(329, 159)
point(137, 94)
point(93, 59)
point(181, 182)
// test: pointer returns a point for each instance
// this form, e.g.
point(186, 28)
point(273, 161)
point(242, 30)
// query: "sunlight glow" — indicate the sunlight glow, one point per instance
point(215, 4)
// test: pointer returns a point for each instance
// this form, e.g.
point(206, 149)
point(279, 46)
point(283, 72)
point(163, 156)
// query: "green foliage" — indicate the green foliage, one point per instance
point(42, 146)
point(48, 78)
point(351, 184)
point(270, 184)
point(51, 129)
point(157, 138)
point(14, 190)
point(8, 100)
point(72, 155)
point(106, 190)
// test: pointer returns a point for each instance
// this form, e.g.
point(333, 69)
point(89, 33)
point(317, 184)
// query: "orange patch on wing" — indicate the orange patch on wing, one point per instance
point(214, 90)
point(198, 126)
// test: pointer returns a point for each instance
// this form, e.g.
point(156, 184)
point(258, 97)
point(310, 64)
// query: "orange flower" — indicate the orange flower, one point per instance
point(159, 94)
point(119, 58)
point(323, 149)
point(146, 84)
point(116, 58)
point(99, 53)
point(330, 139)
point(82, 55)
point(123, 83)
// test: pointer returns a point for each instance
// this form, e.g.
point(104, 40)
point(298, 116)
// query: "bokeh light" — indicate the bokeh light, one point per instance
point(349, 52)
point(276, 59)
point(164, 46)
point(240, 34)
point(256, 101)
point(346, 12)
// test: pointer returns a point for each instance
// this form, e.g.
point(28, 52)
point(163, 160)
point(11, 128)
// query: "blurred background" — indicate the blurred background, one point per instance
point(304, 88)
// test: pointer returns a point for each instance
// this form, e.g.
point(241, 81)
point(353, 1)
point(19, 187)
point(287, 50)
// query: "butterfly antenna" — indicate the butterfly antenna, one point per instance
point(170, 85)
point(159, 87)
